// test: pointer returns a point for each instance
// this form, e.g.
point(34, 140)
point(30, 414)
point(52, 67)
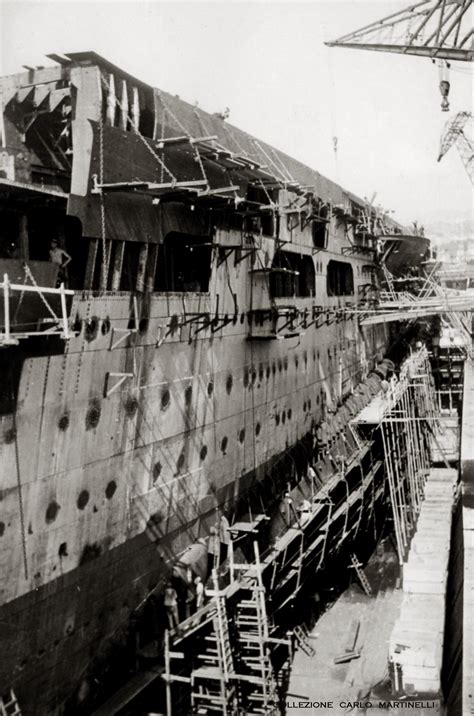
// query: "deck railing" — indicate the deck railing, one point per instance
point(10, 335)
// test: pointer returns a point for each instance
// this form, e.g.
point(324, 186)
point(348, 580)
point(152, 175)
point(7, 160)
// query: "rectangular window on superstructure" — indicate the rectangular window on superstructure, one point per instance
point(264, 219)
point(319, 217)
point(184, 263)
point(292, 275)
point(340, 279)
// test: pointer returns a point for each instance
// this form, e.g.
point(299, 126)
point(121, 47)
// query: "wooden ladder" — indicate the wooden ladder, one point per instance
point(364, 582)
point(257, 677)
point(212, 690)
point(302, 639)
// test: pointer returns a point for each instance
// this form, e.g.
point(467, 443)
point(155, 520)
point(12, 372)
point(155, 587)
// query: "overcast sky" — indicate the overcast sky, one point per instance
point(267, 61)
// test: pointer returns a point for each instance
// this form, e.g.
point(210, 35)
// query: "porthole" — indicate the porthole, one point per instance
point(229, 383)
point(110, 489)
point(242, 435)
point(105, 328)
point(210, 388)
point(91, 328)
point(83, 499)
point(203, 453)
point(165, 399)
point(93, 415)
point(257, 429)
point(289, 413)
point(224, 443)
point(63, 422)
point(52, 511)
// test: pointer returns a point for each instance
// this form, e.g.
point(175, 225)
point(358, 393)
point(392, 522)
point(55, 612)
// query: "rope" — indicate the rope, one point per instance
point(139, 134)
point(186, 132)
point(29, 275)
point(101, 195)
point(17, 309)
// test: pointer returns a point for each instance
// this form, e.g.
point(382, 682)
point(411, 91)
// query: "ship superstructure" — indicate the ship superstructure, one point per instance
point(200, 351)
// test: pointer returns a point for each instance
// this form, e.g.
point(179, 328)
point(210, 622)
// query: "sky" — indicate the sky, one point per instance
point(267, 62)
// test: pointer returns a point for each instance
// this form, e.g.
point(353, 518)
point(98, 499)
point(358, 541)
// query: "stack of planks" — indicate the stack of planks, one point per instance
point(416, 643)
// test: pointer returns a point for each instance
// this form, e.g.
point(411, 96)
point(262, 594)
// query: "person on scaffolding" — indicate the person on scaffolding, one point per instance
point(171, 606)
point(61, 258)
point(190, 598)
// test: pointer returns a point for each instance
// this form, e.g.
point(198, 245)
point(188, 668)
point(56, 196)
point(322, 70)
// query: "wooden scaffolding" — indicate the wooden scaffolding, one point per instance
point(233, 672)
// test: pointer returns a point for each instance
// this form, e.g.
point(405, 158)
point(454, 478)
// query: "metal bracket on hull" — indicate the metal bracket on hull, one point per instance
point(120, 378)
point(124, 333)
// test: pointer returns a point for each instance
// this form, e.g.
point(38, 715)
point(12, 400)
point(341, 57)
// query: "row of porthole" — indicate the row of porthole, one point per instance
point(250, 377)
point(91, 326)
point(53, 508)
point(94, 412)
point(157, 468)
point(283, 416)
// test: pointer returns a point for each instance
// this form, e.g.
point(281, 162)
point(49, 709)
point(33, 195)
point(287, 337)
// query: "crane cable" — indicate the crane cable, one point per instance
point(333, 111)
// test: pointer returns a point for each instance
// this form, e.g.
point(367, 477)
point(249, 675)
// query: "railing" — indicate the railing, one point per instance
point(9, 335)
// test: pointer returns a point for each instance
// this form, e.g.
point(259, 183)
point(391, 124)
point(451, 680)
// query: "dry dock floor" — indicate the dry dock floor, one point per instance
point(348, 686)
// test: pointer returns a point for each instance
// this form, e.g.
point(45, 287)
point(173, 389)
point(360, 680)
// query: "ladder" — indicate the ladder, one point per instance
point(9, 704)
point(211, 688)
point(302, 639)
point(256, 673)
point(364, 582)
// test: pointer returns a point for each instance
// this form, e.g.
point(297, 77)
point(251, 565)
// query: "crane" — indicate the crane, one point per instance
point(438, 29)
point(458, 131)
